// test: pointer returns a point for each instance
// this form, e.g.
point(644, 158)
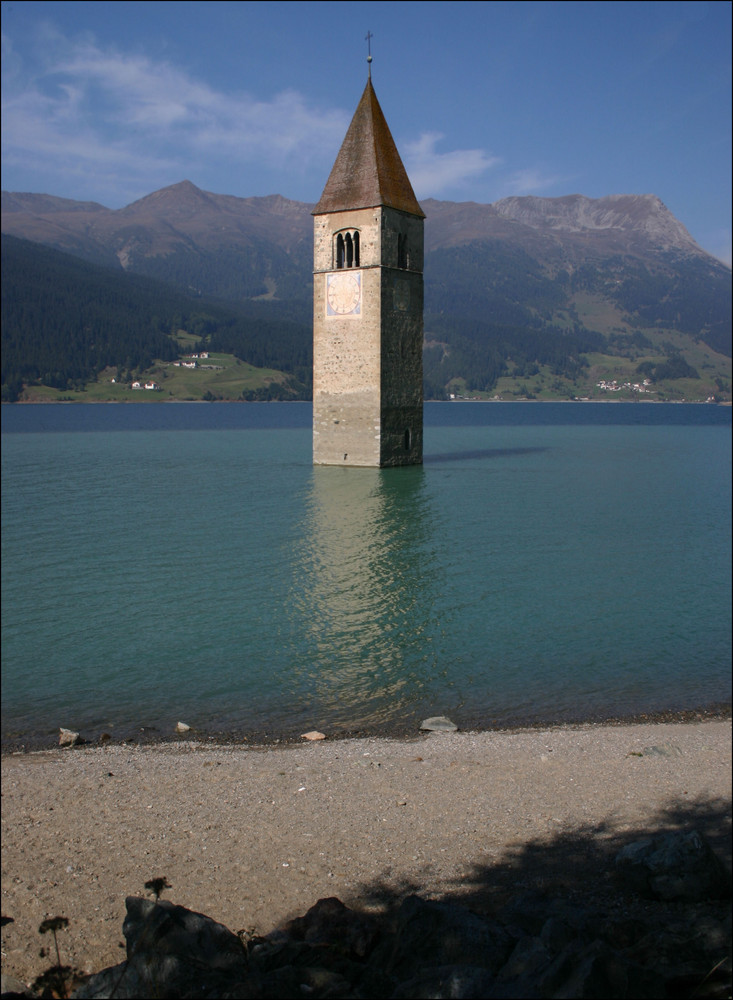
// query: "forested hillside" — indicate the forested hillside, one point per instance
point(495, 307)
point(64, 320)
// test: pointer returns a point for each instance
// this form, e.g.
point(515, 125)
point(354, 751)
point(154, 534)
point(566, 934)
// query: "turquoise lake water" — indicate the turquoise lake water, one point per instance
point(549, 562)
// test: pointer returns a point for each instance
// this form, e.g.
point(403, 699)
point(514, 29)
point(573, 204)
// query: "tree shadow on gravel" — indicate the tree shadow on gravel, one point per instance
point(579, 929)
point(577, 864)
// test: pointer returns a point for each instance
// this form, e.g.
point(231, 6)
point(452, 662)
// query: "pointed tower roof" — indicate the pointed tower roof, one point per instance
point(368, 170)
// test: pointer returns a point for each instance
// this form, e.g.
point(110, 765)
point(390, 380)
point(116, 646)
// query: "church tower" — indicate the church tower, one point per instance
point(368, 303)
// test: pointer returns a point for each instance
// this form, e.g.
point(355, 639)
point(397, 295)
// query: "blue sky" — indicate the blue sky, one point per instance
point(111, 101)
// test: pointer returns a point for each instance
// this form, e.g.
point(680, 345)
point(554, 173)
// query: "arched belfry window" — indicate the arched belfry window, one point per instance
point(346, 249)
point(403, 257)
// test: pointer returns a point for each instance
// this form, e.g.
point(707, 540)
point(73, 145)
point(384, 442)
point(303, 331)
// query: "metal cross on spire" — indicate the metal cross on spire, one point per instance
point(368, 38)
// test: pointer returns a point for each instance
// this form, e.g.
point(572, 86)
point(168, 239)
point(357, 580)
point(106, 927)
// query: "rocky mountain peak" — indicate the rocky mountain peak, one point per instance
point(176, 201)
point(643, 215)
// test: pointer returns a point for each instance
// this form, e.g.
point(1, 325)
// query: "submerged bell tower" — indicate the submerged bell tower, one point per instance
point(368, 303)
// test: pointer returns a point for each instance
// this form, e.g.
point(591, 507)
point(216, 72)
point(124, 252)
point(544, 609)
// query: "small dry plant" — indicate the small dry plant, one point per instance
point(57, 980)
point(157, 885)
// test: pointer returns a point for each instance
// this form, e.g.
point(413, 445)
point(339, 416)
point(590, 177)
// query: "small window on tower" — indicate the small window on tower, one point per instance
point(349, 250)
point(402, 255)
point(339, 251)
point(356, 249)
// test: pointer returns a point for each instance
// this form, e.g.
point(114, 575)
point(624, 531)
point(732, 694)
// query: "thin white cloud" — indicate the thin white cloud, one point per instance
point(111, 115)
point(533, 181)
point(432, 172)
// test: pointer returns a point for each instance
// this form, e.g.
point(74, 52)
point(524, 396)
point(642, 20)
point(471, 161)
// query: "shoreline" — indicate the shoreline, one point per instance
point(152, 735)
point(453, 402)
point(252, 835)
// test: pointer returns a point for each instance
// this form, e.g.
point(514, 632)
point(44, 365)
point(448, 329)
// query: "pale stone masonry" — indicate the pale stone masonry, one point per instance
point(368, 303)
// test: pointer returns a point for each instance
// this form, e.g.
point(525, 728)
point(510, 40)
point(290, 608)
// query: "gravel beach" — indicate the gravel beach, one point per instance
point(251, 836)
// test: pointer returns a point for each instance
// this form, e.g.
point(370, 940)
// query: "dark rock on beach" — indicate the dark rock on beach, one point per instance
point(172, 952)
point(674, 866)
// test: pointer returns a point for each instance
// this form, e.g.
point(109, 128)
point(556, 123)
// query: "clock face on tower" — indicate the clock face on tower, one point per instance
point(343, 293)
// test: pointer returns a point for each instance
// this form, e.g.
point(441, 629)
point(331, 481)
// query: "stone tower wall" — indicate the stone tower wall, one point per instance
point(401, 369)
point(367, 368)
point(401, 438)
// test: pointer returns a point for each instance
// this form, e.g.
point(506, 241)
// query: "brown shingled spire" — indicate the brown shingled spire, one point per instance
point(368, 170)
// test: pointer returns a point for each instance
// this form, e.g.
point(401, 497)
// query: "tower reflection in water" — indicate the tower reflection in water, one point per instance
point(363, 596)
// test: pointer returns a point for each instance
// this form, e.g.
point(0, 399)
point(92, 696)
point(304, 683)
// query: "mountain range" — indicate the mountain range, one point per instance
point(525, 298)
